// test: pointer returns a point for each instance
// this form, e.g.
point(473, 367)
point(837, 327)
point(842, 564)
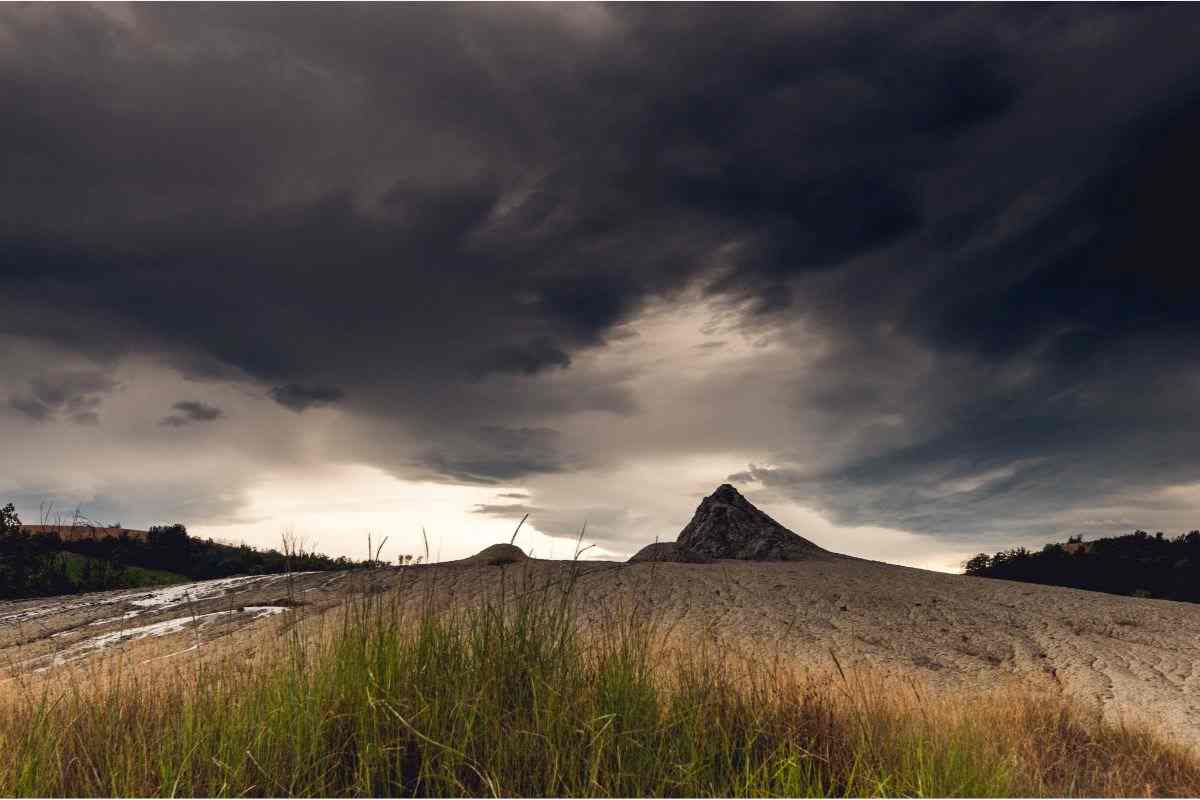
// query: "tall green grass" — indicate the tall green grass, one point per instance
point(514, 697)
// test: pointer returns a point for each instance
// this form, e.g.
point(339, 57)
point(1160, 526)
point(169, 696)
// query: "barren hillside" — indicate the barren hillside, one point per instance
point(1135, 659)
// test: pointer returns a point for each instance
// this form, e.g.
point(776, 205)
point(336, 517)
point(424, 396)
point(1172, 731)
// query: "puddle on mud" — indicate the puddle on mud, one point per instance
point(198, 606)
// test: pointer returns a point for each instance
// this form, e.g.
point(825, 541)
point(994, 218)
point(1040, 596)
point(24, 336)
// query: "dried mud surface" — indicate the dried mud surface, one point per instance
point(1134, 659)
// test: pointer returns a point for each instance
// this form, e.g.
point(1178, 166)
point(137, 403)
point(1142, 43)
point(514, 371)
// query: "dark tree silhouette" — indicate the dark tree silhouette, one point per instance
point(1136, 564)
point(30, 565)
point(35, 565)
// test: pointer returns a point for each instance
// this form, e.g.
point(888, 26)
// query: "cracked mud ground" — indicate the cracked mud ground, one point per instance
point(1134, 659)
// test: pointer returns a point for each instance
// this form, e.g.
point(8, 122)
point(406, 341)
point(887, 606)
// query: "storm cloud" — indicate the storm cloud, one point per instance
point(191, 411)
point(301, 398)
point(953, 240)
point(76, 394)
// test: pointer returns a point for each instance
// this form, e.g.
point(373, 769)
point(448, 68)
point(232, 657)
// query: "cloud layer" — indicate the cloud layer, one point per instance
point(923, 268)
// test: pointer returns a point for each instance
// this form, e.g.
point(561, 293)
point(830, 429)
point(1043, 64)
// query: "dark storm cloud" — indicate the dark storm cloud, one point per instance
point(1026, 447)
point(1110, 262)
point(417, 212)
point(190, 411)
point(495, 454)
point(514, 511)
point(78, 394)
point(524, 359)
point(1090, 302)
point(298, 397)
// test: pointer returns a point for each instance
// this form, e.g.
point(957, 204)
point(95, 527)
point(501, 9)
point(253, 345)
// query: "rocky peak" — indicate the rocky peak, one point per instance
point(727, 494)
point(727, 525)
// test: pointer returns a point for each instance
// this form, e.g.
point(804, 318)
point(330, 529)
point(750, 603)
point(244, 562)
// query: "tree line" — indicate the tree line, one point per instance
point(1137, 564)
point(37, 564)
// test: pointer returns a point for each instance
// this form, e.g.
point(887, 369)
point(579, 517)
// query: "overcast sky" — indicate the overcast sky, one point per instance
point(920, 280)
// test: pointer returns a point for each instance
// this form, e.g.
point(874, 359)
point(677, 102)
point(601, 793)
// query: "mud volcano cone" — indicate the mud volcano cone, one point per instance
point(727, 525)
point(668, 551)
point(497, 555)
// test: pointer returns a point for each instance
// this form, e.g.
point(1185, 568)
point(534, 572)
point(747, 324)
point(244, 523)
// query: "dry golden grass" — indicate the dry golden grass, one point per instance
point(403, 693)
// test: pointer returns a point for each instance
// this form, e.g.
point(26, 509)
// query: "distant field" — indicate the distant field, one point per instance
point(75, 533)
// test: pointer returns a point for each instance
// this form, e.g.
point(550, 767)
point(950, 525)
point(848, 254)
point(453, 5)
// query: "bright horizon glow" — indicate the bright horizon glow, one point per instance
point(336, 509)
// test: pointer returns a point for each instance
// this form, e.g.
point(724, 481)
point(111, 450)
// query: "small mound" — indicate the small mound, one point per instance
point(668, 551)
point(497, 555)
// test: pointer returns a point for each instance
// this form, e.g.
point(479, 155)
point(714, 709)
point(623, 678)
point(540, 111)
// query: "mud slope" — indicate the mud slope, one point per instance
point(45, 633)
point(1135, 659)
